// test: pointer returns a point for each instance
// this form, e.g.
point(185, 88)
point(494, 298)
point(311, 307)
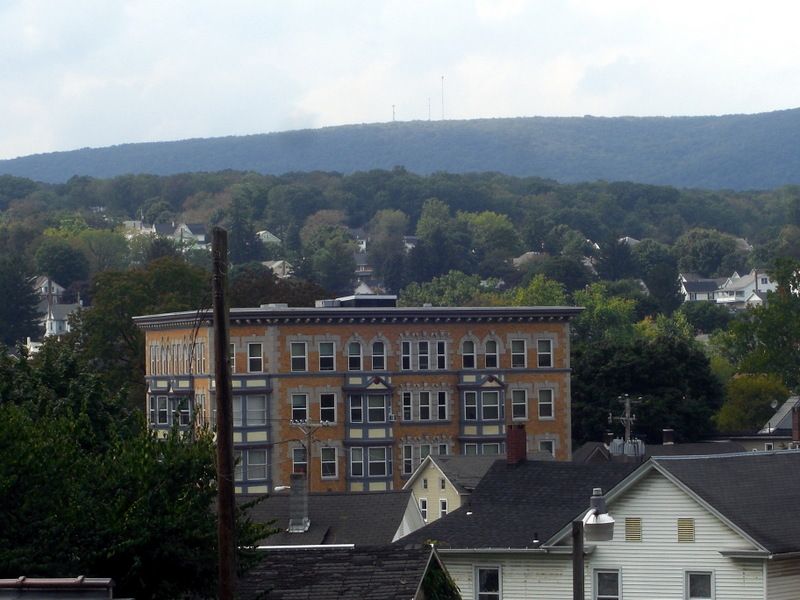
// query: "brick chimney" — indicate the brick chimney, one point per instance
point(796, 423)
point(668, 437)
point(608, 437)
point(516, 444)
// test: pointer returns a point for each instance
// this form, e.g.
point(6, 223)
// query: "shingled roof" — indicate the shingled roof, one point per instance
point(521, 506)
point(385, 573)
point(360, 518)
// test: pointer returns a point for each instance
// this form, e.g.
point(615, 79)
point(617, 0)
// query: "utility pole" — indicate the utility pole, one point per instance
point(222, 376)
point(627, 419)
point(309, 428)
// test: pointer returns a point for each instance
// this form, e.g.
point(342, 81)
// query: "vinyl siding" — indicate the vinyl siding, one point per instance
point(783, 579)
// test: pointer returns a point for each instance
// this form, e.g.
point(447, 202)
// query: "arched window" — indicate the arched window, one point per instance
point(468, 354)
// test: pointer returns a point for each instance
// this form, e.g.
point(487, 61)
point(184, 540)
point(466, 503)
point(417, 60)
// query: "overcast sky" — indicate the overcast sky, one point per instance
point(77, 73)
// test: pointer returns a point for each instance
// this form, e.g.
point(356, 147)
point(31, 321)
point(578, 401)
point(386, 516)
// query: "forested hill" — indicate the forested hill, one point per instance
point(727, 152)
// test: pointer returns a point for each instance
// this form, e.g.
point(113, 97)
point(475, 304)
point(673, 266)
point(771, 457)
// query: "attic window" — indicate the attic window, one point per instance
point(633, 529)
point(685, 530)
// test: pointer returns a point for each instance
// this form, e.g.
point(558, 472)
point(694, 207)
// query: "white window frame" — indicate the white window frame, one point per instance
point(162, 410)
point(547, 446)
point(490, 448)
point(255, 417)
point(357, 460)
point(595, 591)
point(256, 470)
point(370, 398)
point(255, 360)
point(519, 398)
point(408, 406)
point(381, 356)
point(327, 460)
point(299, 460)
point(408, 459)
point(322, 407)
point(385, 461)
point(519, 358)
point(295, 406)
point(423, 355)
point(488, 394)
point(442, 507)
point(488, 595)
point(405, 355)
point(238, 465)
point(494, 355)
point(424, 402)
point(468, 354)
point(298, 357)
point(443, 447)
point(354, 359)
point(544, 357)
point(688, 574)
point(542, 401)
point(441, 354)
point(471, 446)
point(237, 408)
point(424, 451)
point(232, 356)
point(329, 357)
point(423, 508)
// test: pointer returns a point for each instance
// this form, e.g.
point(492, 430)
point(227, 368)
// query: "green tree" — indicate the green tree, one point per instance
point(60, 260)
point(539, 291)
point(453, 289)
point(105, 249)
point(748, 402)
point(708, 253)
point(659, 270)
point(19, 317)
point(604, 316)
point(706, 317)
point(615, 261)
point(386, 248)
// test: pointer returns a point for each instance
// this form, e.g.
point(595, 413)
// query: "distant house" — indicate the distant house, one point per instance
point(37, 588)
point(695, 288)
point(190, 234)
point(282, 269)
point(53, 310)
point(385, 573)
point(736, 289)
point(780, 432)
point(268, 238)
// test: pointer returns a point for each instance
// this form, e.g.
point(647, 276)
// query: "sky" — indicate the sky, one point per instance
point(93, 73)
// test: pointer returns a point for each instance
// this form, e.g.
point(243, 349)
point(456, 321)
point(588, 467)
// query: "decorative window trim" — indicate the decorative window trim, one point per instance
point(545, 404)
point(423, 355)
point(441, 354)
point(328, 397)
point(405, 355)
point(381, 366)
point(468, 354)
point(354, 356)
point(491, 359)
point(328, 461)
point(519, 357)
point(519, 405)
point(327, 361)
point(544, 353)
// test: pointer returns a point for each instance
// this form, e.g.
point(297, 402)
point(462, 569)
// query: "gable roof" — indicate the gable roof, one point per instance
point(782, 419)
point(360, 518)
point(595, 452)
point(521, 506)
point(390, 572)
point(753, 490)
point(700, 286)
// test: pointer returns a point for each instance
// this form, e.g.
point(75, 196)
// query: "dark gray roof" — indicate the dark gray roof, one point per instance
point(594, 452)
point(701, 286)
point(515, 505)
point(389, 572)
point(360, 518)
point(464, 472)
point(757, 491)
point(164, 228)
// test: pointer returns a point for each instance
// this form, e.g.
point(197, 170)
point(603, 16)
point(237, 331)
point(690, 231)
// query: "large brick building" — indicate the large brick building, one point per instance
point(381, 387)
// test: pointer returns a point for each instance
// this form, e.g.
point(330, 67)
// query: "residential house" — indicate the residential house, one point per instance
point(693, 527)
point(780, 432)
point(698, 289)
point(736, 289)
point(282, 269)
point(191, 235)
point(37, 588)
point(53, 310)
point(267, 238)
point(382, 573)
point(380, 381)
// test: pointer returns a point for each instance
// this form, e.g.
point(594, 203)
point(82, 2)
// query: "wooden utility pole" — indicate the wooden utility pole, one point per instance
point(222, 376)
point(577, 560)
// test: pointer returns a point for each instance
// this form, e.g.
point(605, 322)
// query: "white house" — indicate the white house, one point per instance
point(738, 289)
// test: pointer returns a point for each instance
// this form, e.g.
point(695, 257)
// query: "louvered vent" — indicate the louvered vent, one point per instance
point(633, 529)
point(685, 530)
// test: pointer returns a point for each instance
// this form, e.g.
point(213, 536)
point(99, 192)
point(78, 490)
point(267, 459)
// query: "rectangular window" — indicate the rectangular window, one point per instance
point(490, 406)
point(153, 410)
point(424, 484)
point(299, 460)
point(548, 446)
point(423, 508)
point(546, 404)
point(442, 449)
point(441, 406)
point(519, 404)
point(699, 585)
point(471, 449)
point(405, 356)
point(424, 406)
point(407, 414)
point(327, 356)
point(376, 409)
point(468, 354)
point(442, 507)
point(182, 408)
point(378, 356)
point(299, 407)
point(327, 408)
point(255, 359)
point(491, 449)
point(356, 408)
point(357, 462)
point(544, 353)
point(256, 465)
point(487, 584)
point(238, 468)
point(237, 411)
point(441, 355)
point(606, 585)
point(423, 356)
point(519, 354)
point(163, 411)
point(424, 451)
point(256, 411)
point(442, 483)
point(470, 406)
point(408, 459)
point(330, 465)
point(378, 464)
point(298, 356)
point(354, 356)
point(491, 354)
point(232, 357)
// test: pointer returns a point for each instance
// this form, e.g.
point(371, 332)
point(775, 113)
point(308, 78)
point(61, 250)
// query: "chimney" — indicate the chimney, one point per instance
point(796, 423)
point(608, 437)
point(298, 504)
point(516, 444)
point(668, 437)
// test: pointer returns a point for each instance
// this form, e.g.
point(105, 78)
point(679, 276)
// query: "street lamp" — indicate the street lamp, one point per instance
point(596, 526)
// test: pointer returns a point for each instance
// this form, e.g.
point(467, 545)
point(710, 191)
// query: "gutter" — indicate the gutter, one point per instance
point(554, 550)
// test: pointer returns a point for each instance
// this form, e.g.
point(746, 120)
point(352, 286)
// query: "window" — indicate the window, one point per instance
point(769, 446)
point(238, 468)
point(442, 507)
point(327, 356)
point(232, 357)
point(256, 465)
point(153, 410)
point(298, 356)
point(327, 457)
point(633, 529)
point(471, 449)
point(356, 409)
point(442, 449)
point(327, 408)
point(424, 406)
point(357, 462)
point(256, 411)
point(441, 406)
point(442, 483)
point(699, 585)
point(163, 413)
point(423, 356)
point(490, 357)
point(546, 404)
point(424, 451)
point(423, 508)
point(299, 407)
point(468, 354)
point(405, 356)
point(378, 356)
point(424, 484)
point(490, 406)
point(519, 404)
point(255, 360)
point(544, 353)
point(548, 446)
point(299, 460)
point(181, 408)
point(376, 409)
point(354, 356)
point(237, 411)
point(487, 583)
point(408, 459)
point(492, 449)
point(470, 406)
point(378, 463)
point(606, 585)
point(519, 354)
point(686, 530)
point(441, 355)
point(407, 415)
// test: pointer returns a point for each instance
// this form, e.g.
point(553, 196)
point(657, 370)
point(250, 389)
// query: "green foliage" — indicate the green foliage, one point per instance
point(748, 402)
point(708, 253)
point(386, 248)
point(706, 317)
point(60, 260)
point(604, 316)
point(18, 313)
point(253, 284)
point(663, 327)
point(658, 268)
point(540, 291)
point(453, 289)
